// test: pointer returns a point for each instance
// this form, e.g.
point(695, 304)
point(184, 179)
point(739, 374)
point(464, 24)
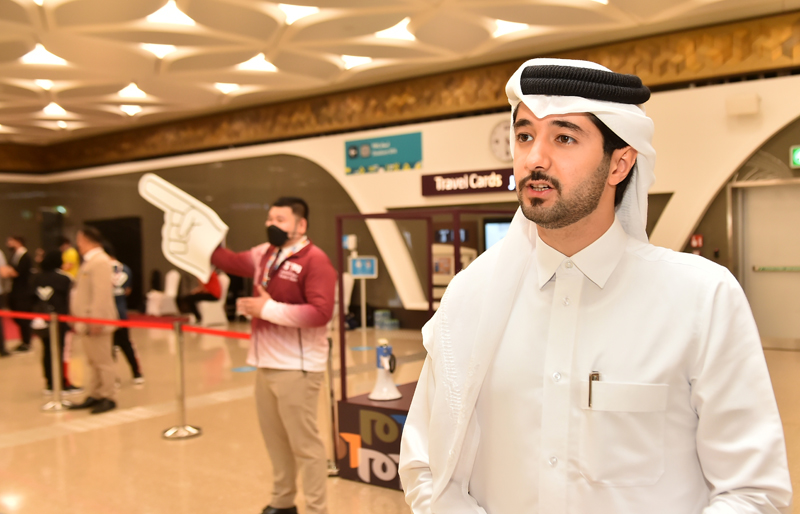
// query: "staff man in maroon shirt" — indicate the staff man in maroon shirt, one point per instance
point(293, 300)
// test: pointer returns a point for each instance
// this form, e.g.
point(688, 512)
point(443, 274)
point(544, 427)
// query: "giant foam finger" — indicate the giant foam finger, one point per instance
point(164, 195)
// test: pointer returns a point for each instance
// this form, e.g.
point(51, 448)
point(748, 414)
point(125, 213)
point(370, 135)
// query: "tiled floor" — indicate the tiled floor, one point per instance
point(118, 463)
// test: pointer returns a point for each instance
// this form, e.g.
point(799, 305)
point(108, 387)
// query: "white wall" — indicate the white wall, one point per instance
point(699, 146)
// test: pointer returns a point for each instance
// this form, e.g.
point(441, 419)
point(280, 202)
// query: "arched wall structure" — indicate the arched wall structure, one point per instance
point(699, 145)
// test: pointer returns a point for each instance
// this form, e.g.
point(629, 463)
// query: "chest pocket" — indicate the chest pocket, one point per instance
point(622, 435)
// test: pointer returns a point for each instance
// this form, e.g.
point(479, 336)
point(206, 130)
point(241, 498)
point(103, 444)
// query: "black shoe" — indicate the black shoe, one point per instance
point(273, 510)
point(87, 403)
point(23, 348)
point(104, 405)
point(4, 353)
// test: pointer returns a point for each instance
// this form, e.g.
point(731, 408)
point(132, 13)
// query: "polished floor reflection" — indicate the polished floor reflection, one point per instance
point(118, 463)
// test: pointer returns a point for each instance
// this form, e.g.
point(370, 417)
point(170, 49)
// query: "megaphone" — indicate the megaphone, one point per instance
point(385, 389)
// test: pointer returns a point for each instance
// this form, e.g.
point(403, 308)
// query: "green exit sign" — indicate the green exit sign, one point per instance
point(794, 156)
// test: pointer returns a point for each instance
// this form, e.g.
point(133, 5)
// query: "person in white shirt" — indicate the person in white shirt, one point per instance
point(576, 368)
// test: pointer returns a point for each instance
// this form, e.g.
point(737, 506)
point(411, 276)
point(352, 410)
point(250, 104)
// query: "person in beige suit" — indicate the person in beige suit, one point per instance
point(93, 297)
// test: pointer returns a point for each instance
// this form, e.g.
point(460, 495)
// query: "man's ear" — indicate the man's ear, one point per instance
point(302, 226)
point(622, 161)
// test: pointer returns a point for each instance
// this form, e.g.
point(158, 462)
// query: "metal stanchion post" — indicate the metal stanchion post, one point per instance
point(182, 430)
point(333, 470)
point(56, 404)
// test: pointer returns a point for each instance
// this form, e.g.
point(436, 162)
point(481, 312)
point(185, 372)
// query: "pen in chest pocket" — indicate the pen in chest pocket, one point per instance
point(594, 376)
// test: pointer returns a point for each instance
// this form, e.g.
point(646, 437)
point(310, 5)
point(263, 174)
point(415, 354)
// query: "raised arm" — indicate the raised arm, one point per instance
point(233, 263)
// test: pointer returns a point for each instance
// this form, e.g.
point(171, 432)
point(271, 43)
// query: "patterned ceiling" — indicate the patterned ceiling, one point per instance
point(71, 68)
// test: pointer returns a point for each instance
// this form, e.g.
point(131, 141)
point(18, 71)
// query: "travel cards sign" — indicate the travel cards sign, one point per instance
point(389, 153)
point(488, 181)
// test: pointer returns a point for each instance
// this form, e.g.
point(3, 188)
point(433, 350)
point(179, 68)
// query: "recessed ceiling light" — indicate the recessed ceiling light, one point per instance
point(53, 109)
point(38, 2)
point(132, 91)
point(170, 14)
point(507, 27)
point(257, 63)
point(295, 12)
point(130, 110)
point(44, 84)
point(41, 56)
point(351, 61)
point(62, 124)
point(399, 31)
point(604, 2)
point(158, 50)
point(226, 88)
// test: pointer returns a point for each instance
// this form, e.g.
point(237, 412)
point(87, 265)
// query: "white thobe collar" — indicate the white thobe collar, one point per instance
point(91, 253)
point(597, 261)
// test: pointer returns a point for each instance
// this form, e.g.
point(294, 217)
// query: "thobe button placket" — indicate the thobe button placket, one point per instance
point(556, 376)
point(568, 264)
point(553, 461)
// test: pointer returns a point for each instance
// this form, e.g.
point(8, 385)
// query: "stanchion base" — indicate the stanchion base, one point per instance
point(55, 406)
point(183, 432)
point(333, 471)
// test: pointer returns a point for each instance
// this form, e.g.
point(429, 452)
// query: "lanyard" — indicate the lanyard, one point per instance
point(277, 258)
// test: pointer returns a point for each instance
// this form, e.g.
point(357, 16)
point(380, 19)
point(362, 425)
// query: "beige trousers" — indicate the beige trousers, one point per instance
point(98, 353)
point(287, 412)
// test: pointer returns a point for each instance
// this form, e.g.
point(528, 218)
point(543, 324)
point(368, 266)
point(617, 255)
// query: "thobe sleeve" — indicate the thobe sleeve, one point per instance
point(414, 469)
point(740, 440)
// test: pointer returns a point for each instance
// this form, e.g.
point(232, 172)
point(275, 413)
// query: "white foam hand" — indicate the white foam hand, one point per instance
point(191, 230)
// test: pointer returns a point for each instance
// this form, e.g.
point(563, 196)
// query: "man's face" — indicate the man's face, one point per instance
point(12, 243)
point(284, 219)
point(559, 167)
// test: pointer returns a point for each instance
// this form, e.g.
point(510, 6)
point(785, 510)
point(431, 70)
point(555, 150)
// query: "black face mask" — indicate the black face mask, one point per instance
point(276, 236)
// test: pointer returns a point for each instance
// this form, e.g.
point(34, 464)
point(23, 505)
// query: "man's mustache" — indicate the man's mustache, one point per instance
point(539, 176)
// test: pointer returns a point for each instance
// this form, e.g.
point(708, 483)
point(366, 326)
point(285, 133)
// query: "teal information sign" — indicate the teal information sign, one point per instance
point(389, 153)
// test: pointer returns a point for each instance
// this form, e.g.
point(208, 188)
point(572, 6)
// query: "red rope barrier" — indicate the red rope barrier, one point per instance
point(125, 323)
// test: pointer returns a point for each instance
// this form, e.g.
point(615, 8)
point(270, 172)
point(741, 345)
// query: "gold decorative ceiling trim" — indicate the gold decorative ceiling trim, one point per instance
point(746, 47)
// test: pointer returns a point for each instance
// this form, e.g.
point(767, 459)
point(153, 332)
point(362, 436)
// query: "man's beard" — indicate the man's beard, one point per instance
point(566, 210)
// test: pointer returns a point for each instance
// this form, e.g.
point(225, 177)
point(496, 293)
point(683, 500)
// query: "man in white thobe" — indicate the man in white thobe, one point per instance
point(577, 369)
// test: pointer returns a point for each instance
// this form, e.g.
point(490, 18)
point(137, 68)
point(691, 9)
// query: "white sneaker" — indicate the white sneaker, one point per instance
point(138, 380)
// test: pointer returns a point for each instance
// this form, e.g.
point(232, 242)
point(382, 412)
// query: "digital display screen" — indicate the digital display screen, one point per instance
point(494, 231)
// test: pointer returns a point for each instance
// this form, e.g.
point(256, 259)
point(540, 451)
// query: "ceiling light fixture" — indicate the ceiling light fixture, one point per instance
point(351, 61)
point(170, 14)
point(44, 84)
point(38, 2)
point(507, 27)
point(226, 88)
point(159, 51)
point(62, 124)
point(604, 2)
point(257, 63)
point(399, 31)
point(130, 110)
point(41, 56)
point(295, 12)
point(53, 109)
point(132, 91)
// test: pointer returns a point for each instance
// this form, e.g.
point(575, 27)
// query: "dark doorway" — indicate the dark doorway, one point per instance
point(125, 235)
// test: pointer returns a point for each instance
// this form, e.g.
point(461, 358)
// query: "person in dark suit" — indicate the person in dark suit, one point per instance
point(3, 270)
point(19, 299)
point(50, 293)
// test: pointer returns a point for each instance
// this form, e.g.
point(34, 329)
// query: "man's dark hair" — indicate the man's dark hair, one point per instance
point(92, 234)
point(19, 239)
point(51, 261)
point(298, 205)
point(64, 241)
point(611, 142)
